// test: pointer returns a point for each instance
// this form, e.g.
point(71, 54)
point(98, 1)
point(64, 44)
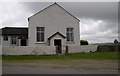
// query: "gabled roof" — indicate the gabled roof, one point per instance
point(15, 31)
point(57, 33)
point(52, 5)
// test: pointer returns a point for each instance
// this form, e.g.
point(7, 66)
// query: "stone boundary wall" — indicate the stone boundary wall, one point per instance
point(42, 50)
point(27, 50)
point(82, 48)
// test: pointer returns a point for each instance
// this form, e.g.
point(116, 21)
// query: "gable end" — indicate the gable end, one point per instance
point(50, 6)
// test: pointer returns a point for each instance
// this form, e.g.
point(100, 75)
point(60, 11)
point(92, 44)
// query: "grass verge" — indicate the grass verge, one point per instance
point(92, 55)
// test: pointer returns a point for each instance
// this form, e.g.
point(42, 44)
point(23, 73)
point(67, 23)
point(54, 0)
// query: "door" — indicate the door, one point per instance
point(23, 42)
point(57, 42)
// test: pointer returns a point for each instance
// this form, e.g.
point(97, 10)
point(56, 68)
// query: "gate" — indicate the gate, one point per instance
point(64, 50)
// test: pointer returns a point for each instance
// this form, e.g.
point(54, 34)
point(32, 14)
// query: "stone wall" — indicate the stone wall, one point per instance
point(26, 50)
point(42, 50)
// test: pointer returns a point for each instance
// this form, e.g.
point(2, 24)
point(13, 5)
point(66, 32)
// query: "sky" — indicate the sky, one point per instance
point(98, 20)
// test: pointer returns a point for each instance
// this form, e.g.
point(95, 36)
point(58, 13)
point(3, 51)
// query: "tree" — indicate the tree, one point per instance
point(84, 42)
point(115, 41)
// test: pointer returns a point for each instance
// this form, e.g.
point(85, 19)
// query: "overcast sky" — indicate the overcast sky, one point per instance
point(98, 21)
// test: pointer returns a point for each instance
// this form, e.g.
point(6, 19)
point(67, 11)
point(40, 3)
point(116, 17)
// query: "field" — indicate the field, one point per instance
point(108, 47)
point(94, 60)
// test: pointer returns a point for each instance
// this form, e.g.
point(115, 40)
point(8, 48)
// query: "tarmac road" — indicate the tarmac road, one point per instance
point(44, 70)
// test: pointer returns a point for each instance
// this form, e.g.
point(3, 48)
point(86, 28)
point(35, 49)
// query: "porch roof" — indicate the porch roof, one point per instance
point(57, 33)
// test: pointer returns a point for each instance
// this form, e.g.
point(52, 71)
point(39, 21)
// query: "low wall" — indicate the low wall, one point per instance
point(82, 48)
point(26, 50)
point(41, 50)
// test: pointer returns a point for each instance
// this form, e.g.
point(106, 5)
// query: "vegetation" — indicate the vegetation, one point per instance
point(108, 47)
point(115, 41)
point(93, 60)
point(84, 42)
point(93, 55)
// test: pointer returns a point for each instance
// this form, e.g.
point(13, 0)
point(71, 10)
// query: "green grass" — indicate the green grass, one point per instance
point(101, 60)
point(92, 55)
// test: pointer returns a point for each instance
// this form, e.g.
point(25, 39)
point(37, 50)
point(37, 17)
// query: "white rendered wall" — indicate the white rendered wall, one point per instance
point(54, 19)
point(41, 50)
point(26, 50)
point(8, 43)
point(83, 48)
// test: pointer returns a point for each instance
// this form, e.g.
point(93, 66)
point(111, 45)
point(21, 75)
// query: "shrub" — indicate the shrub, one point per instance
point(107, 48)
point(84, 42)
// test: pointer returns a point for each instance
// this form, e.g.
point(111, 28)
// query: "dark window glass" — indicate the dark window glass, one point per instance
point(40, 34)
point(70, 36)
point(5, 38)
point(13, 40)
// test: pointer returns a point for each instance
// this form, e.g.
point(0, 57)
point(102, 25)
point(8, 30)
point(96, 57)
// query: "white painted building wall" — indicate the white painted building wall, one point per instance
point(54, 19)
point(0, 44)
point(8, 43)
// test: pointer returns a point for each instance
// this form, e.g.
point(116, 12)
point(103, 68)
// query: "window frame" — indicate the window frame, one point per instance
point(40, 32)
point(70, 34)
point(12, 40)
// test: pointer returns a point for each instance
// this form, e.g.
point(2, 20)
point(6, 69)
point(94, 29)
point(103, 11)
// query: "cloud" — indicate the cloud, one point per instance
point(97, 31)
point(35, 7)
point(13, 14)
point(94, 10)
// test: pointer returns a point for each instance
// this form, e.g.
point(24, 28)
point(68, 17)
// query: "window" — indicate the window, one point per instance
point(40, 34)
point(13, 40)
point(5, 38)
point(69, 34)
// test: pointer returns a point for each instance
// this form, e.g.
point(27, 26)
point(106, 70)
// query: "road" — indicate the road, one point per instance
point(45, 70)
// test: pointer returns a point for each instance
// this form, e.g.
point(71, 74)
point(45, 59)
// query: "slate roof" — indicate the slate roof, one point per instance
point(15, 31)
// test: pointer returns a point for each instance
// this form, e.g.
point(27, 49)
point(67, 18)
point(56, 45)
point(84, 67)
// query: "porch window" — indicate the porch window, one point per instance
point(69, 33)
point(40, 34)
point(13, 40)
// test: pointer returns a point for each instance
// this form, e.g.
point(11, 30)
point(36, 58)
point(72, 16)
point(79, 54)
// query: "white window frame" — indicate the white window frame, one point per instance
point(13, 38)
point(71, 34)
point(40, 31)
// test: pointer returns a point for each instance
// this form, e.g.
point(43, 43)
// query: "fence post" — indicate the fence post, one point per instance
point(66, 52)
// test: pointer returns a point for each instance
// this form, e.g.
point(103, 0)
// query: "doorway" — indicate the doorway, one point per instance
point(57, 42)
point(23, 43)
